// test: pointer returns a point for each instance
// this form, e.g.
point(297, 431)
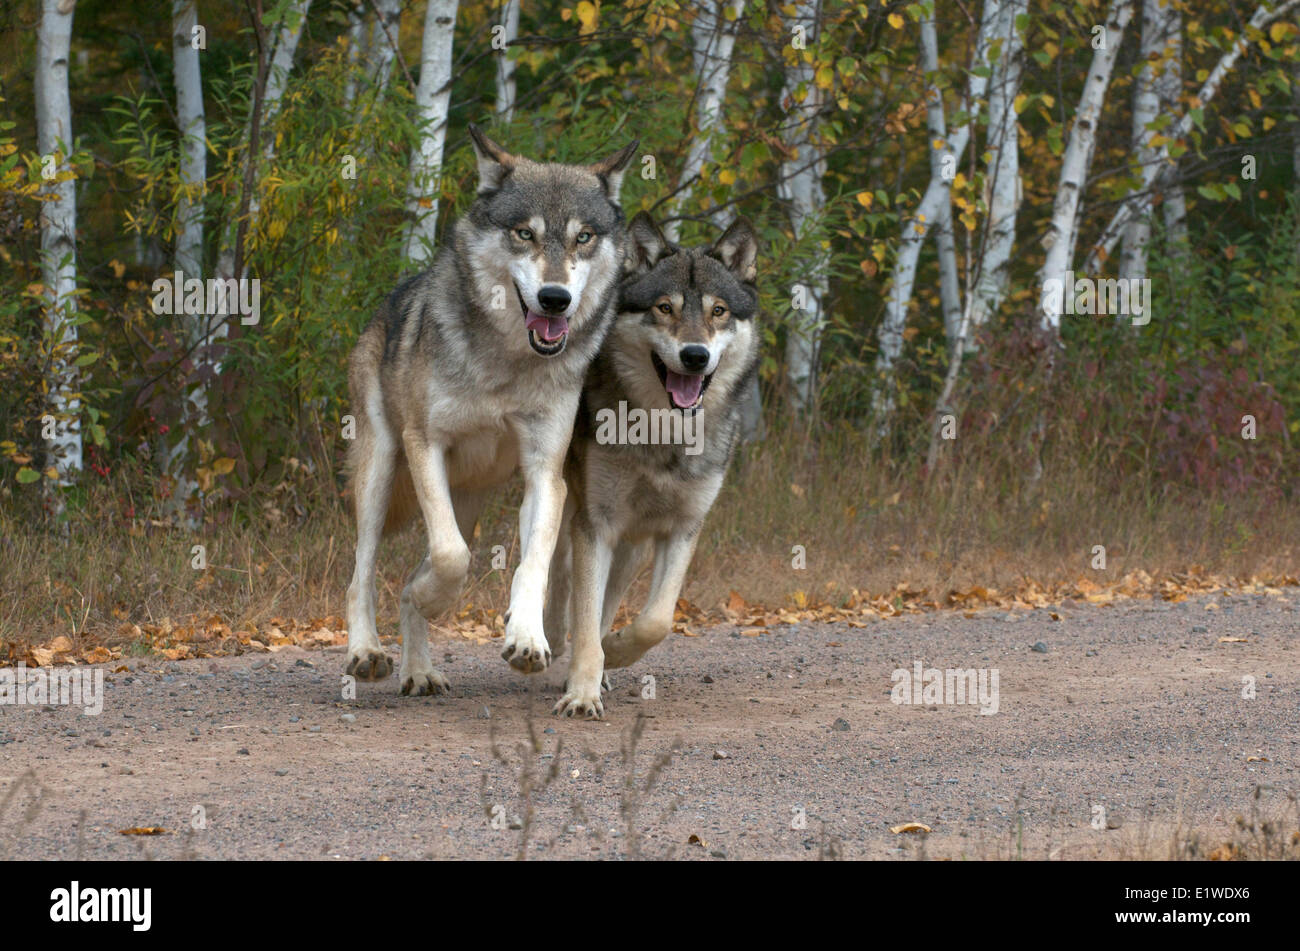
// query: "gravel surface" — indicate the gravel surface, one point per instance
point(785, 745)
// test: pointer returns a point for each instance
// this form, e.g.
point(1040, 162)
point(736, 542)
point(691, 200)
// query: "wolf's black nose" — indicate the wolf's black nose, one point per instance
point(554, 298)
point(694, 357)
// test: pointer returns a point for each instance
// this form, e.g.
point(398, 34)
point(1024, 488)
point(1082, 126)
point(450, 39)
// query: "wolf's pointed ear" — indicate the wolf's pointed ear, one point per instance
point(737, 249)
point(646, 244)
point(611, 169)
point(494, 162)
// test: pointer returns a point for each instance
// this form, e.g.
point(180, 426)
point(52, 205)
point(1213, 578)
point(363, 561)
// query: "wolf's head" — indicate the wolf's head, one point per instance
point(545, 242)
point(686, 315)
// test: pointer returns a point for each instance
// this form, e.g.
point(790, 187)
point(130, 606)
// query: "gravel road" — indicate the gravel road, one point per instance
point(1134, 718)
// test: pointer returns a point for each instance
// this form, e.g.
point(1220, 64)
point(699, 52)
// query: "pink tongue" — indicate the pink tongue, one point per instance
point(684, 390)
point(548, 328)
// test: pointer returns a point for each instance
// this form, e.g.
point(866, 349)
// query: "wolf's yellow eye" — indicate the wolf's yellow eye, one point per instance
point(665, 308)
point(584, 237)
point(718, 310)
point(525, 234)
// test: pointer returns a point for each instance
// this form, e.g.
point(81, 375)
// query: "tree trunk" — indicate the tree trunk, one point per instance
point(58, 220)
point(357, 49)
point(713, 37)
point(506, 65)
point(1169, 91)
point(800, 188)
point(382, 47)
point(1001, 171)
point(946, 148)
point(1063, 228)
point(1156, 28)
point(189, 239)
point(432, 101)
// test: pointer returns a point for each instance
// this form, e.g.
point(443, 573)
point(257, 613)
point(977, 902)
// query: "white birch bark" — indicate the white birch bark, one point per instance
point(1063, 228)
point(505, 65)
point(357, 50)
point(1169, 91)
point(1001, 171)
point(58, 221)
point(800, 188)
point(713, 37)
point(1156, 26)
point(946, 149)
point(381, 49)
point(193, 130)
point(193, 177)
point(1105, 244)
point(432, 101)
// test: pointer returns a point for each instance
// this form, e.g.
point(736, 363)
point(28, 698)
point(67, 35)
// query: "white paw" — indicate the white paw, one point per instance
point(421, 680)
point(369, 663)
point(582, 702)
point(525, 647)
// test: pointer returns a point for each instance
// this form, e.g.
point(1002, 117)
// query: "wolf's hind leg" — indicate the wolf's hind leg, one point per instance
point(559, 586)
point(435, 583)
point(652, 625)
point(376, 458)
point(591, 561)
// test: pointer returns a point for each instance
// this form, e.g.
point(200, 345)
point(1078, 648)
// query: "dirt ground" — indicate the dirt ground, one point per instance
point(1118, 729)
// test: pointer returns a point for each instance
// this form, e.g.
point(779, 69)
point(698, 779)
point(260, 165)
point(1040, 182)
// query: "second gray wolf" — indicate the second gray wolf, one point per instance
point(470, 371)
point(682, 350)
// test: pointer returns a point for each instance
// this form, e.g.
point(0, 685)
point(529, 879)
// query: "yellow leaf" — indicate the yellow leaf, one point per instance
point(727, 177)
point(912, 828)
point(865, 199)
point(587, 13)
point(895, 21)
point(1278, 31)
point(223, 466)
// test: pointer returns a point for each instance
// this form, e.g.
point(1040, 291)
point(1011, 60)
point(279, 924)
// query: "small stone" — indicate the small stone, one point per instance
point(243, 751)
point(707, 679)
point(840, 724)
point(282, 772)
point(348, 717)
point(720, 754)
point(1039, 647)
point(1199, 629)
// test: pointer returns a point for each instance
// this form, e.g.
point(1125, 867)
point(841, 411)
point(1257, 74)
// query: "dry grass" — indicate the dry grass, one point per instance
point(863, 523)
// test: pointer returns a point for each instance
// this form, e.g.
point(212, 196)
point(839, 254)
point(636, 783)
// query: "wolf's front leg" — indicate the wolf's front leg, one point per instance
point(542, 446)
point(652, 625)
point(591, 560)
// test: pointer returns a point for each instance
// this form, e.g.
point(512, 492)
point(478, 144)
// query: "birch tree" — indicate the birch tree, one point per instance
point(1263, 16)
point(505, 65)
point(61, 427)
point(1001, 170)
point(800, 189)
point(193, 130)
point(432, 101)
point(382, 46)
point(946, 148)
point(193, 177)
point(713, 37)
point(1063, 228)
point(357, 49)
point(1157, 24)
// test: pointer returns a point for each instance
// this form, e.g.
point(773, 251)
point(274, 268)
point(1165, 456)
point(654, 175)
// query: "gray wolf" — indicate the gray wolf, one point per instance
point(684, 343)
point(470, 371)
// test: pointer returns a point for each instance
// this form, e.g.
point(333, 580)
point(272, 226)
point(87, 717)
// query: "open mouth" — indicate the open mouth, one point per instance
point(546, 335)
point(685, 390)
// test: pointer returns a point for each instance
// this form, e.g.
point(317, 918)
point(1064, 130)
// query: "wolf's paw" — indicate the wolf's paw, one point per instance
point(526, 650)
point(370, 663)
point(423, 681)
point(585, 704)
point(621, 650)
